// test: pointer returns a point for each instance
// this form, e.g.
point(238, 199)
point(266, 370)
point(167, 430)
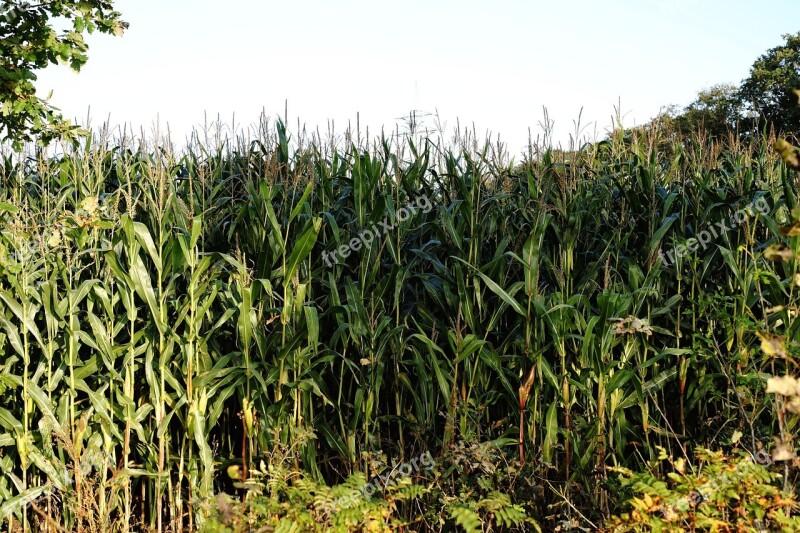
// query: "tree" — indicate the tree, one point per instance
point(714, 114)
point(768, 93)
point(29, 42)
point(716, 111)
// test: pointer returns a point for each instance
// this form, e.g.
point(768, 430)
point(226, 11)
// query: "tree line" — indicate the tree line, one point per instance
point(764, 101)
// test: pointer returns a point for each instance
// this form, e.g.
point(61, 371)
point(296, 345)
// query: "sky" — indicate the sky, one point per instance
point(493, 65)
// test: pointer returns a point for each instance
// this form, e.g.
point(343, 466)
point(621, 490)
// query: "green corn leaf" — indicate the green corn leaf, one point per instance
point(303, 247)
point(495, 288)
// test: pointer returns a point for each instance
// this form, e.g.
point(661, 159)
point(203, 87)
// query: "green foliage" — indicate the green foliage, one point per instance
point(716, 112)
point(526, 329)
point(440, 498)
point(479, 489)
point(765, 99)
point(722, 493)
point(295, 511)
point(769, 89)
point(288, 501)
point(30, 40)
point(726, 493)
point(466, 518)
point(496, 506)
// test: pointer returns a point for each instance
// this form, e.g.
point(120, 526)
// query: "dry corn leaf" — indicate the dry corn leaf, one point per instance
point(631, 325)
point(790, 231)
point(793, 405)
point(773, 345)
point(778, 252)
point(783, 385)
point(788, 153)
point(782, 452)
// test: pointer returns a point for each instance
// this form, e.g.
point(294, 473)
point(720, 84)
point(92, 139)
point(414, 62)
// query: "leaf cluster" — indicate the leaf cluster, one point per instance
point(30, 40)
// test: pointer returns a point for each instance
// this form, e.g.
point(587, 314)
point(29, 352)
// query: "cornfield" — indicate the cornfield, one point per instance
point(169, 316)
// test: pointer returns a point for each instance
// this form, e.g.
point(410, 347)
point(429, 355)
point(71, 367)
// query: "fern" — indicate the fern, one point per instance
point(513, 515)
point(503, 511)
point(466, 518)
point(721, 491)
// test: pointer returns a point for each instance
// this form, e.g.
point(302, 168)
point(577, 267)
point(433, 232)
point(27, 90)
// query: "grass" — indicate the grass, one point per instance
point(173, 311)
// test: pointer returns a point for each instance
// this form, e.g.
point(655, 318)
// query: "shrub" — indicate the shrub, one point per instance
point(724, 493)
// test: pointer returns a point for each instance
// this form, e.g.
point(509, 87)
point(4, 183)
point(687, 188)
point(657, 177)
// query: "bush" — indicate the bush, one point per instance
point(467, 489)
point(724, 493)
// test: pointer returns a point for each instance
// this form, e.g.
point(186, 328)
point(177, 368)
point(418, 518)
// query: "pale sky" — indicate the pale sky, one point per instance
point(494, 64)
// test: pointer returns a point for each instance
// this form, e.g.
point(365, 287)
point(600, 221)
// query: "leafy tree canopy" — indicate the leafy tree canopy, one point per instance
point(766, 99)
point(769, 90)
point(716, 111)
point(29, 41)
